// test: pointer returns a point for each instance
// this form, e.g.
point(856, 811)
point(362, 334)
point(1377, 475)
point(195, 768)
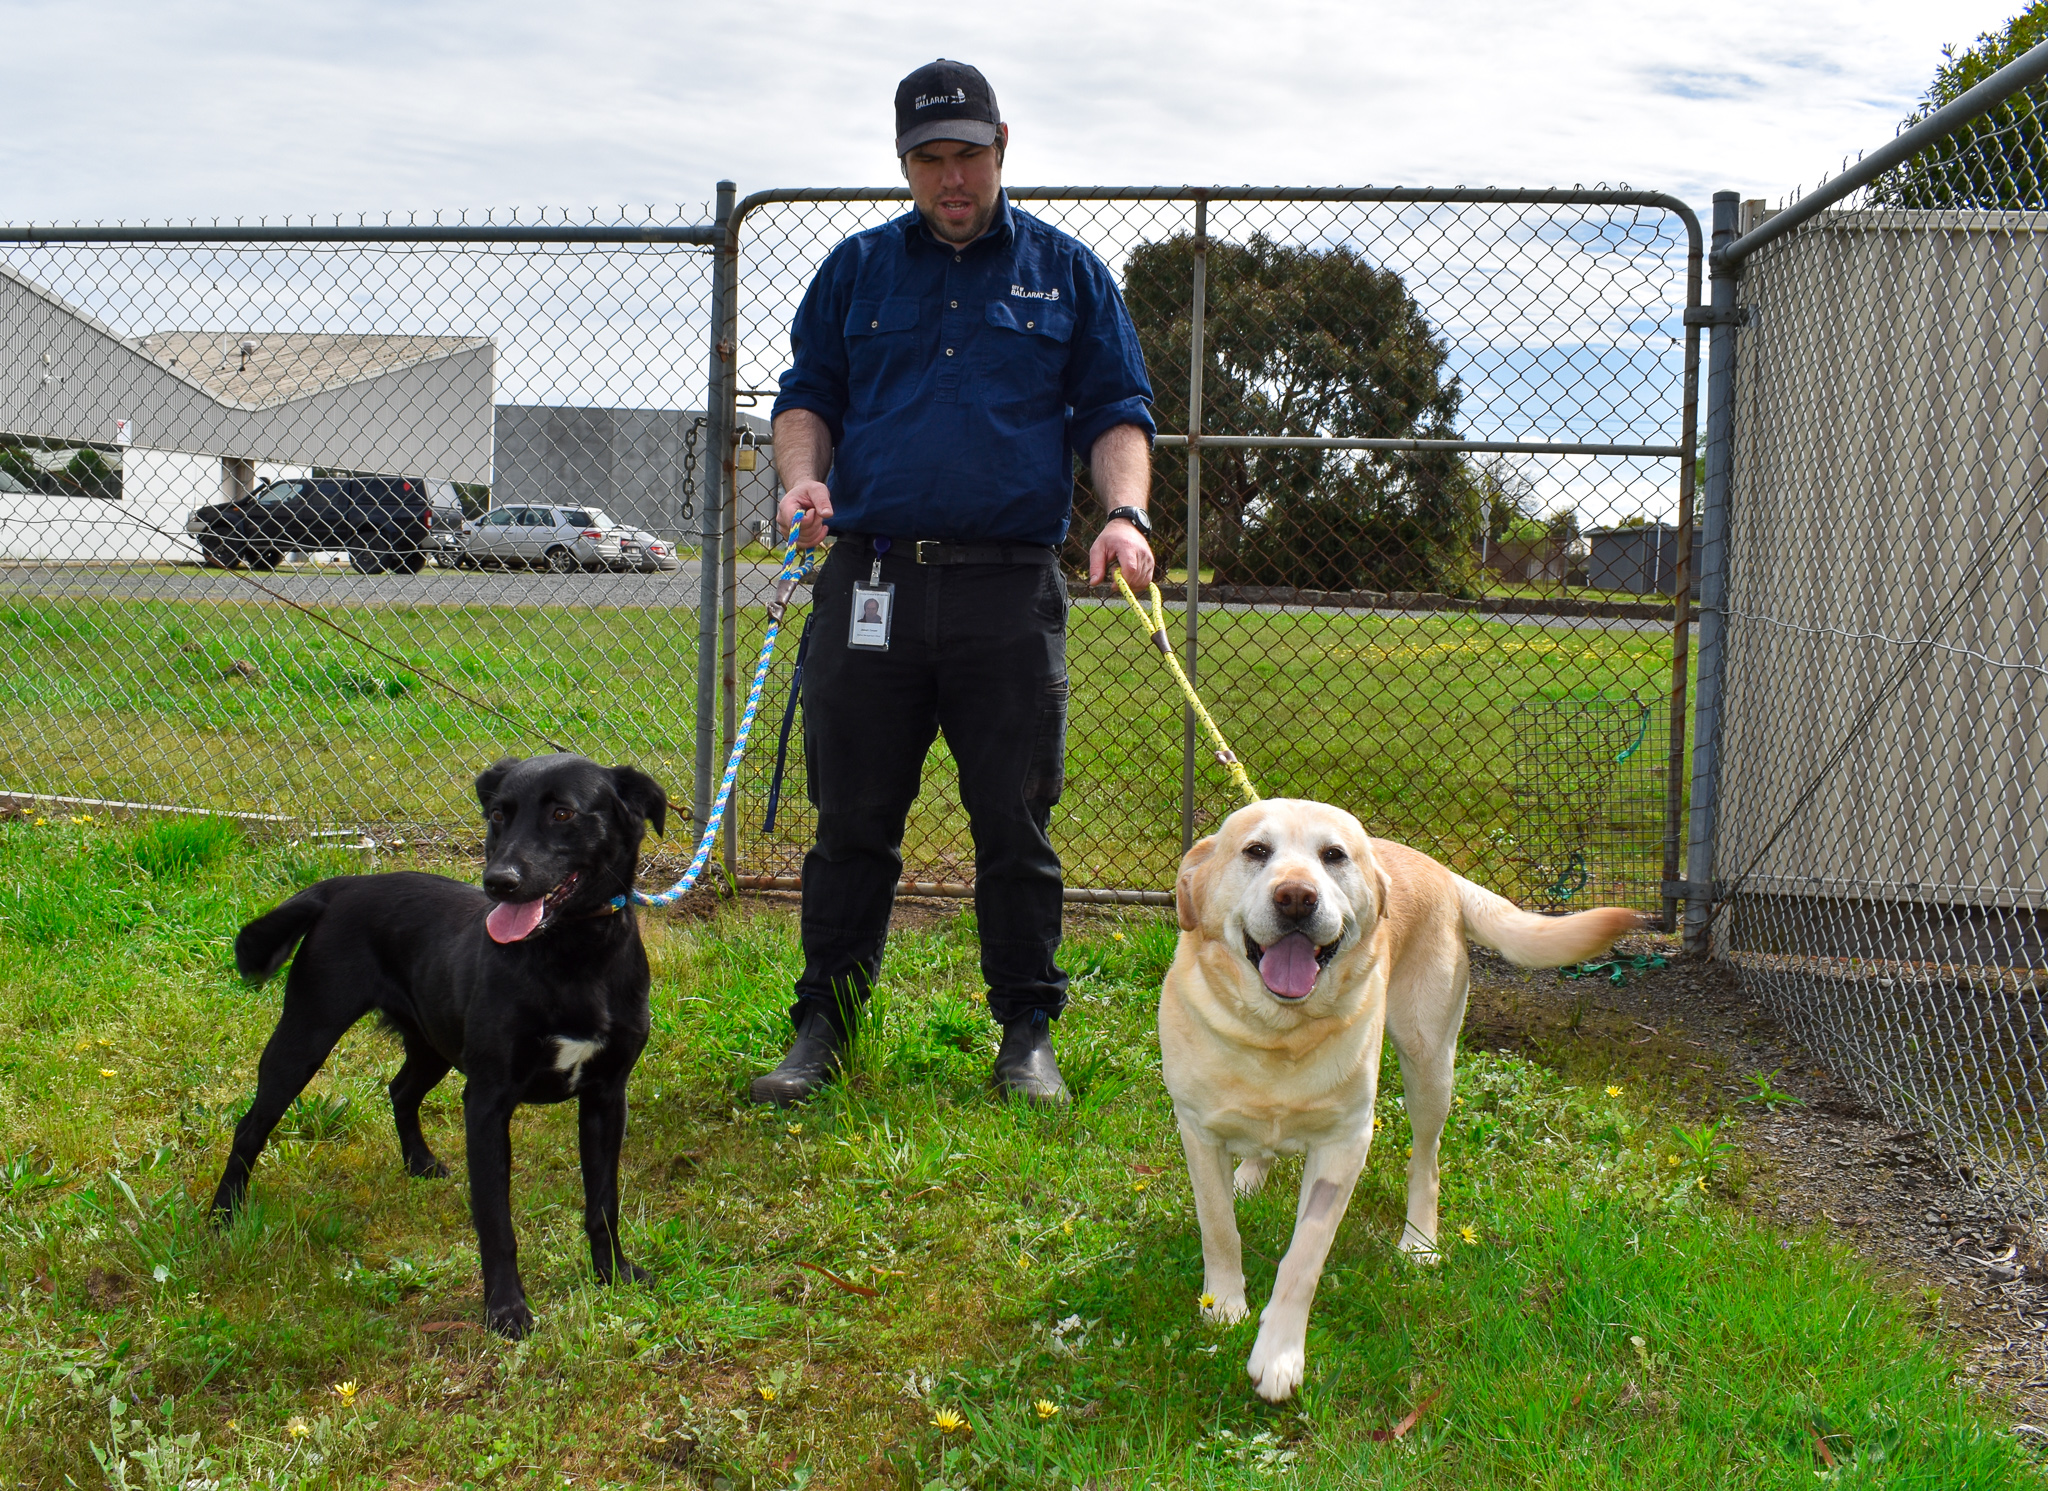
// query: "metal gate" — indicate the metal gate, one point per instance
point(1426, 474)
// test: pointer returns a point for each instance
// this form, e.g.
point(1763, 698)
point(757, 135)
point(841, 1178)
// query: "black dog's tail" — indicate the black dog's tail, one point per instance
point(265, 945)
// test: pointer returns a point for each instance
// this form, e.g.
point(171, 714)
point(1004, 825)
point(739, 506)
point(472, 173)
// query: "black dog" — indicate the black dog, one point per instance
point(534, 988)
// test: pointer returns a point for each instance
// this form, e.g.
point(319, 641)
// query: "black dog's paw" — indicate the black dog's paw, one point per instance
point(628, 1272)
point(426, 1169)
point(512, 1321)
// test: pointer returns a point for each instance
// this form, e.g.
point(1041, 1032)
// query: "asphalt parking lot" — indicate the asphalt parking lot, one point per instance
point(338, 585)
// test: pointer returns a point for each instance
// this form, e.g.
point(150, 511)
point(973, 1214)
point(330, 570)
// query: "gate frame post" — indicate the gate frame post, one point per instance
point(1197, 360)
point(1713, 583)
point(718, 400)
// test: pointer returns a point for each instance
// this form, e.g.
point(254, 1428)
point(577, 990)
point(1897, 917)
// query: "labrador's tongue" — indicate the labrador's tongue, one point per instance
point(1289, 966)
point(514, 921)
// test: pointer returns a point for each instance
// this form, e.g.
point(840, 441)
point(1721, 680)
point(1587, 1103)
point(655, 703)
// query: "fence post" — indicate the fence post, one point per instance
point(1197, 357)
point(710, 498)
point(1712, 567)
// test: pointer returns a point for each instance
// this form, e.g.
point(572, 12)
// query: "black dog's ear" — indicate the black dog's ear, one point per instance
point(642, 795)
point(491, 780)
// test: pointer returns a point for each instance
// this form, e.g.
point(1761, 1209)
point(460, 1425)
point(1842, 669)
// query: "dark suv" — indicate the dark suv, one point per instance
point(382, 521)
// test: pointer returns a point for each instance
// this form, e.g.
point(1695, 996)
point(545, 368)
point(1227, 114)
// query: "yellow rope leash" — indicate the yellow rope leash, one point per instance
point(1155, 627)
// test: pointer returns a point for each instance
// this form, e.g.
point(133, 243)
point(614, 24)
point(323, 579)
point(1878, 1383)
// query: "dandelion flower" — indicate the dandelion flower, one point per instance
point(1468, 1234)
point(767, 1394)
point(1671, 1159)
point(1118, 936)
point(1458, 1100)
point(107, 1071)
point(297, 1427)
point(1701, 1182)
point(1138, 1185)
point(346, 1391)
point(1067, 1228)
point(947, 1421)
point(1023, 1260)
point(1206, 1301)
point(1613, 1091)
point(1045, 1408)
point(795, 1128)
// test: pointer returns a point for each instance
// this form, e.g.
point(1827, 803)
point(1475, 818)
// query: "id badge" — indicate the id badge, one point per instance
point(874, 605)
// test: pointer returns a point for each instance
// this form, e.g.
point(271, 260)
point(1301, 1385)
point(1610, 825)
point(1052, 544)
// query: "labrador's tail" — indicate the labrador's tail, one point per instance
point(1540, 941)
point(265, 945)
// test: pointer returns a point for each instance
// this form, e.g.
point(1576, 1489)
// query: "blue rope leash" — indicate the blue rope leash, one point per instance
point(796, 563)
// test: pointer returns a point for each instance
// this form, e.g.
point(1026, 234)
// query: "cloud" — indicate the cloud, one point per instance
point(210, 107)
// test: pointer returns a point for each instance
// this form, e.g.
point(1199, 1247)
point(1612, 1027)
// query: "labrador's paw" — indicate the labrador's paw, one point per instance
point(1276, 1366)
point(1419, 1249)
point(1225, 1309)
point(1250, 1176)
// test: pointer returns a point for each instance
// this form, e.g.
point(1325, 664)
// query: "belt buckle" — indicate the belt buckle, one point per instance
point(928, 550)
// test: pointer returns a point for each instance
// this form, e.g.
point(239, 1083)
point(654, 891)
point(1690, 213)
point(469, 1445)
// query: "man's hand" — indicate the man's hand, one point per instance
point(1121, 543)
point(814, 500)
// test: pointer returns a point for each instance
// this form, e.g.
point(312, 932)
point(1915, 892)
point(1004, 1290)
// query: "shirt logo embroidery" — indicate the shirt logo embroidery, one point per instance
point(1023, 294)
point(926, 100)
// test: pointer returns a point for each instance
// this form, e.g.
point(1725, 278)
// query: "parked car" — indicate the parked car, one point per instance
point(383, 523)
point(563, 539)
point(641, 550)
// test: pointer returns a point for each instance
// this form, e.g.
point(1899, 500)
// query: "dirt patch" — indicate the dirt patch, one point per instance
point(1977, 1266)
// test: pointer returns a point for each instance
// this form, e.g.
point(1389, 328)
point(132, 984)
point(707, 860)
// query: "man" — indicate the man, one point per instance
point(947, 367)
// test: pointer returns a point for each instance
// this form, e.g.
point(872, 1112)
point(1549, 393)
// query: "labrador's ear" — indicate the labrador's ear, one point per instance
point(491, 779)
point(642, 795)
point(1191, 884)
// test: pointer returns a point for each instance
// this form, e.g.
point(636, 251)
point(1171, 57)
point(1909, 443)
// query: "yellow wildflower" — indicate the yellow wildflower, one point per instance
point(107, 1071)
point(1613, 1091)
point(1067, 1227)
point(795, 1128)
point(946, 1421)
point(1468, 1234)
point(1207, 1301)
point(767, 1394)
point(1138, 1185)
point(1119, 937)
point(1671, 1159)
point(1045, 1408)
point(297, 1427)
point(346, 1391)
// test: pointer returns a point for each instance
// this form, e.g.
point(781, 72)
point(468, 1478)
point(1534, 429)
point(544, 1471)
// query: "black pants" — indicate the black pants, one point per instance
point(980, 652)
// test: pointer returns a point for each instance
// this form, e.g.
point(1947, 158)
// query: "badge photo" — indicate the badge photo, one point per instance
point(873, 603)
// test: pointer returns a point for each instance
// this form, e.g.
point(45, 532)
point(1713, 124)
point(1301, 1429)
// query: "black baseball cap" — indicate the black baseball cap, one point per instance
point(945, 101)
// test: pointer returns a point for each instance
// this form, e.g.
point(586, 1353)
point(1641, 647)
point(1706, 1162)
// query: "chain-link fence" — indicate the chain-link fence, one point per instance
point(1423, 494)
point(1877, 473)
point(315, 521)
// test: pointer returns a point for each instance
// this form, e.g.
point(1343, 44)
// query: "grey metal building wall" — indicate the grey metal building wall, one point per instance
point(642, 466)
point(1884, 439)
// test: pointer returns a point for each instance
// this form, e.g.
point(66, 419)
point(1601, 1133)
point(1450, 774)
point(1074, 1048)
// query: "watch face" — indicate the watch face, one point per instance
point(1136, 517)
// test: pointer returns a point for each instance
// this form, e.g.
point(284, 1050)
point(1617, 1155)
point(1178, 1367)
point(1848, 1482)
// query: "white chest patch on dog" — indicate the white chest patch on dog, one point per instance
point(570, 1054)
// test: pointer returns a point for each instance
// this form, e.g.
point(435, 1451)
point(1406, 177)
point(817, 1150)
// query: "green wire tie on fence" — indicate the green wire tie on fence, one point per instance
point(1642, 731)
point(1566, 887)
point(1154, 624)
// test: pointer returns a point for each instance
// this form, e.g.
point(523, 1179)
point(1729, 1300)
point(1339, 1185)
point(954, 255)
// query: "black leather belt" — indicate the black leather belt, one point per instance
point(938, 551)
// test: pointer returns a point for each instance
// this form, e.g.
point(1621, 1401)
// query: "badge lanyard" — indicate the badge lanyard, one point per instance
point(874, 607)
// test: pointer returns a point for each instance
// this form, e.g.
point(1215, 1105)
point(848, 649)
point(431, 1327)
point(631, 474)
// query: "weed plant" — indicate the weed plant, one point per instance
point(902, 1285)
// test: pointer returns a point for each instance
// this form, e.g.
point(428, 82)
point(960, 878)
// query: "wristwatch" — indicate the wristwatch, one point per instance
point(1135, 516)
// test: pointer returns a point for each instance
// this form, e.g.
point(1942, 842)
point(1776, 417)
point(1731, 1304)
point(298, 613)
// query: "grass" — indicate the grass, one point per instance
point(1605, 1316)
point(1409, 721)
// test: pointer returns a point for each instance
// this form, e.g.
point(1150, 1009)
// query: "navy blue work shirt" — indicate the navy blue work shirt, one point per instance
point(956, 380)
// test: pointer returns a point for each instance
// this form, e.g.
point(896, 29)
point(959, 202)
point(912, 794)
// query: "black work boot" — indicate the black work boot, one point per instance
point(1025, 1068)
point(814, 1059)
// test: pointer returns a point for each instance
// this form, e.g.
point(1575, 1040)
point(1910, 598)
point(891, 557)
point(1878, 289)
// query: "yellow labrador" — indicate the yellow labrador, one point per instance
point(1303, 940)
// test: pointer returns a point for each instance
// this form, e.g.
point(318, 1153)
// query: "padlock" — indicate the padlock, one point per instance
point(745, 458)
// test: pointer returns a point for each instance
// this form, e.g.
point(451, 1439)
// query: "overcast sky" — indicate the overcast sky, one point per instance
point(163, 109)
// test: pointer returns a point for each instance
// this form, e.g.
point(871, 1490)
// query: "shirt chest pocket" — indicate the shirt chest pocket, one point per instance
point(869, 318)
point(1050, 321)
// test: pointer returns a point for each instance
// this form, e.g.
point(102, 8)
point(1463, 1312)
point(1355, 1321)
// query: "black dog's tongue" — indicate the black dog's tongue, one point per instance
point(514, 921)
point(1289, 966)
